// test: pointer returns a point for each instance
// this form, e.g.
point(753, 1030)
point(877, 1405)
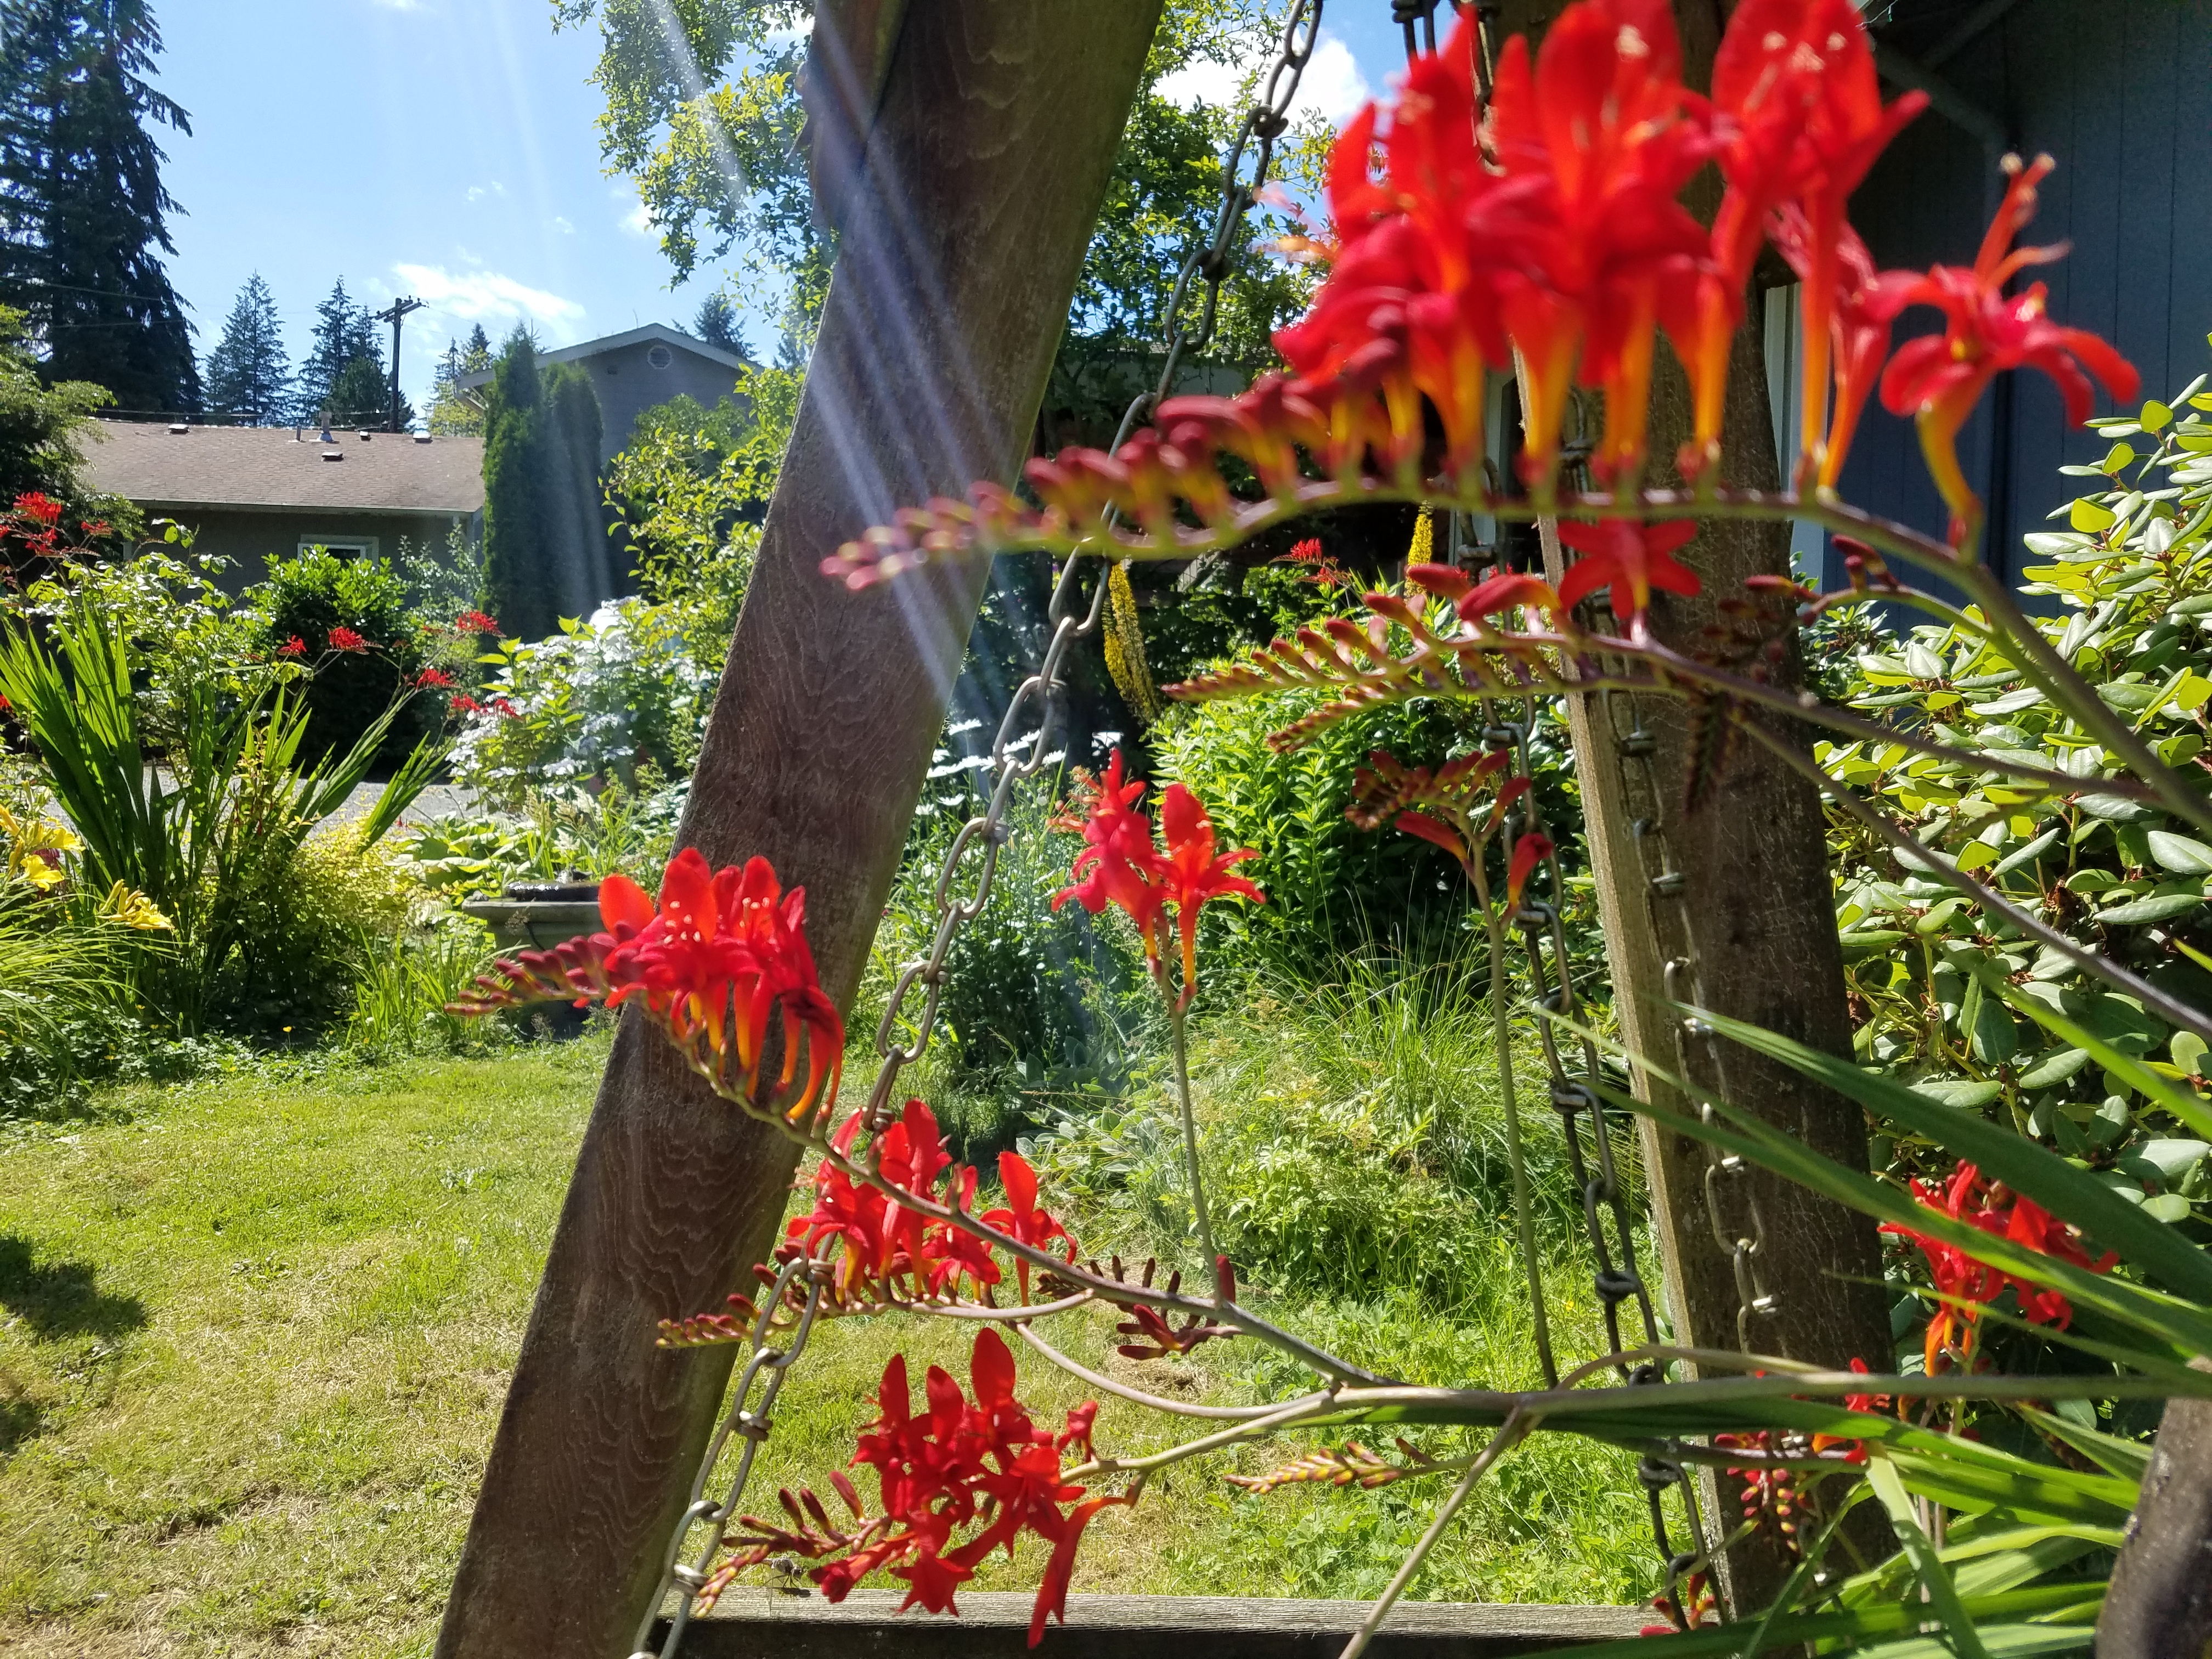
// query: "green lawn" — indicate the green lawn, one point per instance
point(254, 1336)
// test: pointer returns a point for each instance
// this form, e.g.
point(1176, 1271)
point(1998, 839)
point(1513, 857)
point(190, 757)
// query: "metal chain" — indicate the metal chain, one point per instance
point(1033, 710)
point(768, 1365)
point(1616, 1277)
point(1684, 983)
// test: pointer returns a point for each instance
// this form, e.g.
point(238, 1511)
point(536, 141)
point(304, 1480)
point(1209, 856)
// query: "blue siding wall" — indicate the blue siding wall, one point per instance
point(2119, 92)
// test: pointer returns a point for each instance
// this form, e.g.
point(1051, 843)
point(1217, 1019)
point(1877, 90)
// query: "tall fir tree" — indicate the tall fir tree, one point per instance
point(344, 334)
point(716, 323)
point(83, 212)
point(249, 373)
point(545, 544)
point(456, 408)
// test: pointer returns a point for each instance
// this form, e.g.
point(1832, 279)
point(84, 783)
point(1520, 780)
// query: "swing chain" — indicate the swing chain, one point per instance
point(768, 1366)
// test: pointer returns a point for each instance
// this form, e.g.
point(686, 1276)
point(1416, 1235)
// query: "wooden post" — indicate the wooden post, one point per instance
point(2158, 1605)
point(1750, 905)
point(964, 226)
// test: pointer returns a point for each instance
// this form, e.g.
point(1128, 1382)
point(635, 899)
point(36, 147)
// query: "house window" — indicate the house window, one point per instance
point(346, 547)
point(660, 356)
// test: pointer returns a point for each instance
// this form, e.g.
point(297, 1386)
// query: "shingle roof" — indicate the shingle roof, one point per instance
point(209, 466)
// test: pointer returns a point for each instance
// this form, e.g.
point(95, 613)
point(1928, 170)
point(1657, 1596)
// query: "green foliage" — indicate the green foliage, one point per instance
point(331, 384)
point(1331, 888)
point(455, 409)
point(42, 428)
point(544, 551)
point(599, 699)
point(556, 835)
point(304, 598)
point(310, 926)
point(248, 373)
point(85, 218)
point(404, 982)
point(1956, 1000)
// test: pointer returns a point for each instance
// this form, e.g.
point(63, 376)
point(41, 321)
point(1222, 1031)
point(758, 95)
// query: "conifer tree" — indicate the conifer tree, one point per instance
point(455, 409)
point(83, 213)
point(544, 539)
point(716, 323)
point(344, 334)
point(249, 373)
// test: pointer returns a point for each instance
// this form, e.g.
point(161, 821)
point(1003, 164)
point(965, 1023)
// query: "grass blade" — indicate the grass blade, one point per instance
point(1942, 1594)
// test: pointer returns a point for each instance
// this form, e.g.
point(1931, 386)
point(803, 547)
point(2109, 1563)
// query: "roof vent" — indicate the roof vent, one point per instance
point(660, 356)
point(179, 426)
point(366, 436)
point(422, 437)
point(334, 454)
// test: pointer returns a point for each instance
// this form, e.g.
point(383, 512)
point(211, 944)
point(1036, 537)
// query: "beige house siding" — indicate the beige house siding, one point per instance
point(249, 538)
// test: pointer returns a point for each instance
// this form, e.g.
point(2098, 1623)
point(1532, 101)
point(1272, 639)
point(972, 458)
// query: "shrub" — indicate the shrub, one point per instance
point(305, 928)
point(405, 981)
point(598, 700)
point(558, 832)
point(306, 598)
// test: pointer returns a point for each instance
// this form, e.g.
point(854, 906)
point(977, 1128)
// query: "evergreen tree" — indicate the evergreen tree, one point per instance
point(83, 213)
point(249, 372)
point(454, 408)
point(544, 539)
point(345, 333)
point(716, 323)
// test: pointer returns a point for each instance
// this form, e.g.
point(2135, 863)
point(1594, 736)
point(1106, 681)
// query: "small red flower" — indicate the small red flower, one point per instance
point(1193, 875)
point(435, 679)
point(465, 704)
point(1120, 857)
point(504, 709)
point(1021, 1217)
point(294, 646)
point(38, 506)
point(1939, 378)
point(474, 622)
point(344, 639)
point(1628, 558)
point(1528, 853)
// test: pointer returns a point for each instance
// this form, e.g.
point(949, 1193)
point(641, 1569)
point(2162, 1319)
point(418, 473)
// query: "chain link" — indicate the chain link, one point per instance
point(705, 1516)
point(1019, 752)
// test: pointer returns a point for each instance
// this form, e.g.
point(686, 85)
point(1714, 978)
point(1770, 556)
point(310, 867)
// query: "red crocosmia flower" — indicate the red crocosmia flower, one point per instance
point(504, 710)
point(294, 646)
point(1530, 851)
point(712, 962)
point(464, 704)
point(474, 622)
point(1507, 591)
point(1799, 121)
point(1628, 558)
point(434, 679)
point(1306, 552)
point(1120, 859)
point(38, 506)
point(1021, 1219)
point(959, 1463)
point(1939, 377)
point(1601, 134)
point(1970, 1283)
point(1194, 874)
point(1866, 301)
point(344, 639)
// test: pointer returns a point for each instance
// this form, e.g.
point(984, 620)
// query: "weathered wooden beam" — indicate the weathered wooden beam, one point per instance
point(2158, 1605)
point(1738, 894)
point(963, 232)
point(994, 1625)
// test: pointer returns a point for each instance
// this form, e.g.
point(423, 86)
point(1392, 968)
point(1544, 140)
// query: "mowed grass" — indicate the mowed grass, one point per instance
point(254, 1337)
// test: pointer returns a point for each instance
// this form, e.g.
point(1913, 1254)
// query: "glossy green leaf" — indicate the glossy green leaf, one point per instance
point(2172, 1097)
point(2022, 1164)
point(2086, 516)
point(2180, 854)
point(2054, 1069)
point(2139, 912)
point(1963, 1094)
point(2130, 1460)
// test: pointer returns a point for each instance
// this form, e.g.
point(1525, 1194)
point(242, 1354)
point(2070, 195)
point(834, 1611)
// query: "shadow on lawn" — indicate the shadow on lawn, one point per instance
point(59, 1299)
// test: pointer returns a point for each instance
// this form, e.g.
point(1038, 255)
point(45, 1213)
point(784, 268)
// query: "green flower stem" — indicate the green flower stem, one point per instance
point(1177, 1021)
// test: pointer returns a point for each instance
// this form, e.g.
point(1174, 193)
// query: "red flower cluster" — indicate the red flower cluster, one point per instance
point(721, 952)
point(294, 646)
point(1967, 1197)
point(889, 1252)
point(1121, 865)
point(344, 639)
point(961, 1463)
point(474, 622)
point(436, 679)
point(38, 508)
point(1546, 232)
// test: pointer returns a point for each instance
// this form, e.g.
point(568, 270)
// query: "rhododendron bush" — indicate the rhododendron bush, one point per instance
point(1525, 223)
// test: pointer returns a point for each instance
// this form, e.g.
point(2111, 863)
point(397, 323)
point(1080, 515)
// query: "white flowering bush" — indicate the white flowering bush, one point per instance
point(616, 691)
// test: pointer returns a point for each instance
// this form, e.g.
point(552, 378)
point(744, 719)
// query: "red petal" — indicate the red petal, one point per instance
point(992, 1370)
point(1020, 1182)
point(623, 901)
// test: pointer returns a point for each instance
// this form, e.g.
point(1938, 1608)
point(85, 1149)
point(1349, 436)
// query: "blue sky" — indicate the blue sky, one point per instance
point(445, 149)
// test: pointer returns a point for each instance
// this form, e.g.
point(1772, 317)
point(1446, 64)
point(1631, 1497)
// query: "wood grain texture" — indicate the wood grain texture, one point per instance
point(2160, 1603)
point(1755, 914)
point(984, 170)
point(995, 1623)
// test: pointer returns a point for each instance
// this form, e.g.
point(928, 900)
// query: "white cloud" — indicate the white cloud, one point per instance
point(475, 295)
point(1332, 87)
point(401, 5)
point(561, 224)
point(477, 193)
point(634, 219)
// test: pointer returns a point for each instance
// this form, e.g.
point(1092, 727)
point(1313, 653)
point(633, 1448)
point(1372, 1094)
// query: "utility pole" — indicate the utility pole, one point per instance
point(391, 315)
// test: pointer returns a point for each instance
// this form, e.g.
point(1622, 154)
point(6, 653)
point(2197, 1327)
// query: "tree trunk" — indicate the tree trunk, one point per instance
point(963, 234)
point(2158, 1605)
point(1737, 894)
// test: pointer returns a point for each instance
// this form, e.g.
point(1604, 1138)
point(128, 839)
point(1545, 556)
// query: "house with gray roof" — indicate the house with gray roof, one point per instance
point(253, 494)
point(632, 371)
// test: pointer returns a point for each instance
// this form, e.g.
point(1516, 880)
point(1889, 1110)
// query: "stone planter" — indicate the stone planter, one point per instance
point(537, 917)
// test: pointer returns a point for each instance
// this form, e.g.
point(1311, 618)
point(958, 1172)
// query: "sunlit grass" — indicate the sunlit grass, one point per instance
point(254, 1337)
